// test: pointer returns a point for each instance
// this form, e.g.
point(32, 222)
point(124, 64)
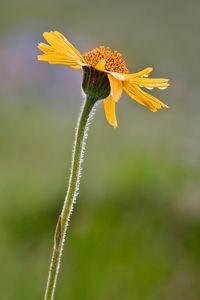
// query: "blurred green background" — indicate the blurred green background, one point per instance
point(135, 230)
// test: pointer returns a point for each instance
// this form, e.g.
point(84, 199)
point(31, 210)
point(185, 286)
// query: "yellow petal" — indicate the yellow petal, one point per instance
point(122, 76)
point(62, 37)
point(143, 98)
point(109, 107)
point(144, 72)
point(45, 48)
point(59, 58)
point(116, 87)
point(151, 82)
point(60, 51)
point(101, 65)
point(60, 43)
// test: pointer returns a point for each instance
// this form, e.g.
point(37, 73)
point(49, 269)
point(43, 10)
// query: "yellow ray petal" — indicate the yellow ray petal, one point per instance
point(116, 87)
point(60, 43)
point(151, 82)
point(59, 58)
point(143, 98)
point(122, 76)
point(45, 48)
point(144, 72)
point(62, 37)
point(109, 107)
point(101, 65)
point(157, 103)
point(60, 51)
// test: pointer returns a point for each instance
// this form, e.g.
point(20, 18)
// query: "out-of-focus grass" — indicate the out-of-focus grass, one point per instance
point(133, 234)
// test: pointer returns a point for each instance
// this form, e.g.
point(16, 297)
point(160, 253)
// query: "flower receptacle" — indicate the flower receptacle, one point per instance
point(95, 83)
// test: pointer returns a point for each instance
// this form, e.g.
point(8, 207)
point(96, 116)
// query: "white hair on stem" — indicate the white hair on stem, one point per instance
point(81, 158)
point(72, 191)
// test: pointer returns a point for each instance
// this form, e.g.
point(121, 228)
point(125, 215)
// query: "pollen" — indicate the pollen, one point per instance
point(114, 60)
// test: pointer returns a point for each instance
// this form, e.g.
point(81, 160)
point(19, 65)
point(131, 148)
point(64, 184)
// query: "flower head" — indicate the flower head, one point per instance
point(105, 74)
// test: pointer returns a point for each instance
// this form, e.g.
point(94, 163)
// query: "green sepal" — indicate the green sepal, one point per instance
point(95, 84)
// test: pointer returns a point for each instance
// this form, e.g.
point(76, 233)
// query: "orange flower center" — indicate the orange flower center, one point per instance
point(114, 60)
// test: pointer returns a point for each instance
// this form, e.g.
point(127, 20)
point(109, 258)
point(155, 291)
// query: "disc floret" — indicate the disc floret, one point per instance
point(114, 60)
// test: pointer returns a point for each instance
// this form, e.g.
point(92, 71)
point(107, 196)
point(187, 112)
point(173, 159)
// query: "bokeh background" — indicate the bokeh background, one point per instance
point(135, 230)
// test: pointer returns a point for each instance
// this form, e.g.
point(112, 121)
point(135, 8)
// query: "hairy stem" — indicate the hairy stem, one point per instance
point(77, 157)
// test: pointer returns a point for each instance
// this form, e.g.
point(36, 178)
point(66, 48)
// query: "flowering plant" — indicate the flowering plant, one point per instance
point(105, 76)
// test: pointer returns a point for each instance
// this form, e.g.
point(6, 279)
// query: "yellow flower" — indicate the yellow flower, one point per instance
point(61, 51)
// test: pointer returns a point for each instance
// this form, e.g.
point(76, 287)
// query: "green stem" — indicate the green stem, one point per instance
point(77, 157)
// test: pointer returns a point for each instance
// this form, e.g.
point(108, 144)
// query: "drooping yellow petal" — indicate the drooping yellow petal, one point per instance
point(143, 98)
point(122, 76)
point(101, 65)
point(116, 87)
point(109, 107)
point(60, 51)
